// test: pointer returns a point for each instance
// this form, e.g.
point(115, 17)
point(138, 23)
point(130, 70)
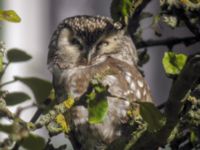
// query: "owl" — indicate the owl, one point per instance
point(81, 48)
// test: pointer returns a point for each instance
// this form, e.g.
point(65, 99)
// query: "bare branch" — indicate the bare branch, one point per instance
point(167, 42)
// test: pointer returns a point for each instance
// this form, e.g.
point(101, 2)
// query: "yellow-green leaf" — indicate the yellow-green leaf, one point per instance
point(52, 95)
point(97, 103)
point(173, 63)
point(9, 15)
point(97, 110)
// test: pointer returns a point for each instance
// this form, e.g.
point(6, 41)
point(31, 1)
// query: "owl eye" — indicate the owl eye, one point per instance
point(75, 41)
point(102, 44)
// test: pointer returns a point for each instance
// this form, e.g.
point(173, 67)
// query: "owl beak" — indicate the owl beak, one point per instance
point(90, 56)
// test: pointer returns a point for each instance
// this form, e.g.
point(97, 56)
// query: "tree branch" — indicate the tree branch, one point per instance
point(134, 21)
point(193, 28)
point(167, 42)
point(178, 94)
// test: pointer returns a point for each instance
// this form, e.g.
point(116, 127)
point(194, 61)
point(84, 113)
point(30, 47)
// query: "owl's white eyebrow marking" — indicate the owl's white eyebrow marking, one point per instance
point(62, 39)
point(138, 94)
point(140, 83)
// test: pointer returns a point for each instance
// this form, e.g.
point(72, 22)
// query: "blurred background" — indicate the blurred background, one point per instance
point(41, 17)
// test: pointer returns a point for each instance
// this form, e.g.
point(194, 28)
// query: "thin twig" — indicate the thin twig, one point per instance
point(6, 83)
point(161, 106)
point(193, 28)
point(4, 69)
point(20, 109)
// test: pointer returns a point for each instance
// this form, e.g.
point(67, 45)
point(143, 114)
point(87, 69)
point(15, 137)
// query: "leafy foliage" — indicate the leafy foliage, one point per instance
point(122, 10)
point(97, 103)
point(152, 116)
point(119, 9)
point(6, 128)
point(16, 55)
point(33, 142)
point(16, 98)
point(173, 63)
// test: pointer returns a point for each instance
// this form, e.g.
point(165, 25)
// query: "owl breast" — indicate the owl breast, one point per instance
point(125, 86)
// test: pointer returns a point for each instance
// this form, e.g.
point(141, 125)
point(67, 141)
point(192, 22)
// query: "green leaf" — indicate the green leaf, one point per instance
point(97, 110)
point(121, 10)
point(9, 15)
point(52, 95)
point(16, 98)
point(97, 103)
point(173, 63)
point(40, 88)
point(152, 116)
point(16, 55)
point(33, 142)
point(193, 137)
point(6, 128)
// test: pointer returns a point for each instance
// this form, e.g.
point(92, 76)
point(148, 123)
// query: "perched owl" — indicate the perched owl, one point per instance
point(83, 47)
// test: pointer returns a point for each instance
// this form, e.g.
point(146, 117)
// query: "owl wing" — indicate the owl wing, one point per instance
point(127, 82)
point(125, 85)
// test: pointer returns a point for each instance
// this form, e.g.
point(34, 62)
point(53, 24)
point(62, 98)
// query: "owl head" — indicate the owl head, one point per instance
point(89, 40)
